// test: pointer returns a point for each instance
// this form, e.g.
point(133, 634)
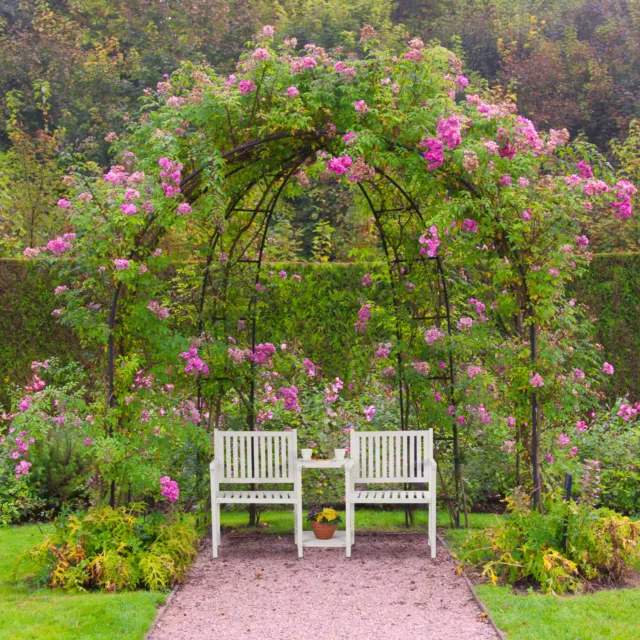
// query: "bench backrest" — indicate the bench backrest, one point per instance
point(391, 456)
point(255, 456)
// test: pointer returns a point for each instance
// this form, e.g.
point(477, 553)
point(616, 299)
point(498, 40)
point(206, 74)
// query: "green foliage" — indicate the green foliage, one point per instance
point(611, 291)
point(29, 612)
point(527, 545)
point(117, 550)
point(28, 331)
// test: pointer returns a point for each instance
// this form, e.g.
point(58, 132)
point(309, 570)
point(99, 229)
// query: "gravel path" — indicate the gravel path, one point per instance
point(390, 589)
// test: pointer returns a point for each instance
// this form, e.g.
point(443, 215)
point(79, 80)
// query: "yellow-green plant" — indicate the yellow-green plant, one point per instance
point(117, 550)
point(528, 545)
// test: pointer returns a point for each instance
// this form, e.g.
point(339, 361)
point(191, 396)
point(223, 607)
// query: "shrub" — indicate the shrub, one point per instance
point(527, 545)
point(117, 550)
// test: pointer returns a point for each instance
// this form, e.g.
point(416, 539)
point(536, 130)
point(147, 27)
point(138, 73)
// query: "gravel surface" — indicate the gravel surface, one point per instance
point(258, 588)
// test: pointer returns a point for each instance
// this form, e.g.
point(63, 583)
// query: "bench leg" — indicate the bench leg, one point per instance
point(432, 528)
point(299, 528)
point(348, 511)
point(215, 527)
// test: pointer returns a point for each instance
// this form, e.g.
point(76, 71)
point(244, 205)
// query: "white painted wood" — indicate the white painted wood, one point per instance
point(303, 537)
point(257, 457)
point(392, 457)
point(339, 540)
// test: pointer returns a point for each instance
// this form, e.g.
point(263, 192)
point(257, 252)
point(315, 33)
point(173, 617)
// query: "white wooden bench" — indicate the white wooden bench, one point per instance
point(393, 457)
point(254, 457)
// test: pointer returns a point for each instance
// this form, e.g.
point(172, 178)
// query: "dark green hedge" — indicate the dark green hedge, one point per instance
point(321, 313)
point(28, 332)
point(612, 291)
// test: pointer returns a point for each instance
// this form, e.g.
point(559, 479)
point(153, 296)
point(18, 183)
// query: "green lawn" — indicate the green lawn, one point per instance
point(44, 614)
point(28, 613)
point(606, 615)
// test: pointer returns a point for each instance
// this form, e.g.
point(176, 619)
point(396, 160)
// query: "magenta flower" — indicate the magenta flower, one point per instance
point(169, 488)
point(607, 369)
point(63, 203)
point(582, 426)
point(473, 371)
point(366, 281)
point(308, 62)
point(268, 30)
point(433, 154)
point(574, 452)
point(361, 106)
point(563, 440)
point(246, 86)
point(449, 130)
point(585, 170)
point(505, 180)
point(61, 244)
point(349, 138)
point(369, 412)
point(261, 54)
point(184, 208)
point(462, 81)
point(340, 165)
point(309, 367)
point(536, 380)
point(121, 263)
point(464, 323)
point(364, 315)
point(290, 397)
point(470, 225)
point(129, 209)
point(88, 442)
point(292, 92)
point(511, 422)
point(431, 336)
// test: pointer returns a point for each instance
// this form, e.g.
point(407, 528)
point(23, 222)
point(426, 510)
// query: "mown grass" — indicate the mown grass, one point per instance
point(28, 613)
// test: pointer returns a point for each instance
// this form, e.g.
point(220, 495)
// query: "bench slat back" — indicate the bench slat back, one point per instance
point(391, 456)
point(256, 456)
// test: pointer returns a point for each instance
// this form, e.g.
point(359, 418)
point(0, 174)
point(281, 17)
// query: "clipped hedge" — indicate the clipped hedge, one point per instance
point(611, 289)
point(28, 332)
point(320, 314)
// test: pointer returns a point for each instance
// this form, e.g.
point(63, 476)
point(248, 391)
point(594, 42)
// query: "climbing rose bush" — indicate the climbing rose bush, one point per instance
point(505, 210)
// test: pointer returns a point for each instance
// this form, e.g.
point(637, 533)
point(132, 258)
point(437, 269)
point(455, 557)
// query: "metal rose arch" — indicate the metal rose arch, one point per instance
point(399, 223)
point(451, 175)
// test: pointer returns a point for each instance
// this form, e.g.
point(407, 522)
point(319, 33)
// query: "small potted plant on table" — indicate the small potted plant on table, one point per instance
point(324, 522)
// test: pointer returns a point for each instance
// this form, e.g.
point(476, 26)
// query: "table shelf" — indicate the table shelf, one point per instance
point(339, 540)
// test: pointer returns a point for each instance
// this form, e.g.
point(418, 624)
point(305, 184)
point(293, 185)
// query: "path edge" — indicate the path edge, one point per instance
point(163, 608)
point(472, 589)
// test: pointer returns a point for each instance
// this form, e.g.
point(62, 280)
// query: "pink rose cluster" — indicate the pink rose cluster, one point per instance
point(433, 153)
point(160, 311)
point(61, 244)
point(624, 191)
point(171, 176)
point(340, 165)
point(262, 354)
point(364, 315)
point(431, 336)
point(289, 396)
point(430, 241)
point(194, 364)
point(169, 489)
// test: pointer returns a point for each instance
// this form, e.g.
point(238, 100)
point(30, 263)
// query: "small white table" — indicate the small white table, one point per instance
point(340, 538)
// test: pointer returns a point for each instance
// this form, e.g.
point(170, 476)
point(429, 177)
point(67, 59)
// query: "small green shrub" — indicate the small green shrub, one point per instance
point(117, 550)
point(527, 545)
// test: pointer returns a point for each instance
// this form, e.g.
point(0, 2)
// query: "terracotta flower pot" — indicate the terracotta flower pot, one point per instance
point(323, 530)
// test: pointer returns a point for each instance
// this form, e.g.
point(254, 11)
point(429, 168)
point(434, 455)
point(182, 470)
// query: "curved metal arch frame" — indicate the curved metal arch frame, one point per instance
point(285, 173)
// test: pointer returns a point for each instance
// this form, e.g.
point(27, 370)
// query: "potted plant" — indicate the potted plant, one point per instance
point(323, 522)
